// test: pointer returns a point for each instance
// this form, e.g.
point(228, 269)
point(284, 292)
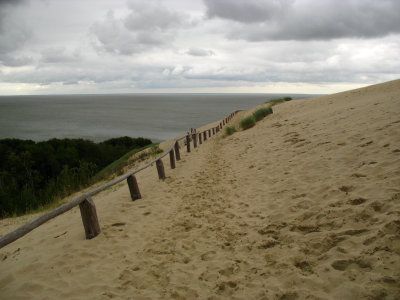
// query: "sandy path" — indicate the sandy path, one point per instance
point(305, 205)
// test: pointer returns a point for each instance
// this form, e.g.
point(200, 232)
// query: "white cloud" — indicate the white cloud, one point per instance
point(176, 45)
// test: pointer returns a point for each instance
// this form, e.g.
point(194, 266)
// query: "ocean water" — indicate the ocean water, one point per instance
point(100, 117)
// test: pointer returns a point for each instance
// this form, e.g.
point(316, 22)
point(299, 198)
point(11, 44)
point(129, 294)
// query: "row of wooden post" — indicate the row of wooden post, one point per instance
point(87, 206)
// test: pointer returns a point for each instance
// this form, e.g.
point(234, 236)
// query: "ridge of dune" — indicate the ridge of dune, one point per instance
point(305, 205)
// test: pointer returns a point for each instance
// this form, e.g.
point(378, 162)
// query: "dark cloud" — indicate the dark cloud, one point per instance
point(59, 55)
point(257, 20)
point(5, 5)
point(199, 52)
point(244, 11)
point(146, 27)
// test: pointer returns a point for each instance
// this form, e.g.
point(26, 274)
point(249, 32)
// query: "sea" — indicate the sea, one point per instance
point(158, 117)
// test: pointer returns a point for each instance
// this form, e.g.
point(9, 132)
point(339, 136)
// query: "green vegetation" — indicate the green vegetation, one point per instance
point(259, 114)
point(278, 100)
point(247, 123)
point(117, 166)
point(230, 130)
point(33, 175)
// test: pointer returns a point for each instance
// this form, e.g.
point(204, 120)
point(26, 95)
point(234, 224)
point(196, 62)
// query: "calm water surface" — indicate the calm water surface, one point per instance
point(99, 117)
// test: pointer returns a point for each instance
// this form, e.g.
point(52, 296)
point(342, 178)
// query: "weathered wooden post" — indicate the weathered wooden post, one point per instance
point(89, 218)
point(177, 153)
point(160, 169)
point(213, 130)
point(172, 159)
point(194, 137)
point(200, 140)
point(205, 135)
point(209, 133)
point(133, 188)
point(220, 125)
point(188, 143)
point(223, 122)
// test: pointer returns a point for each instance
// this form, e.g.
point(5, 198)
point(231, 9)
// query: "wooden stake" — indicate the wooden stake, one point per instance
point(177, 153)
point(89, 218)
point(200, 141)
point(160, 169)
point(172, 159)
point(194, 137)
point(188, 143)
point(213, 130)
point(134, 188)
point(209, 133)
point(205, 135)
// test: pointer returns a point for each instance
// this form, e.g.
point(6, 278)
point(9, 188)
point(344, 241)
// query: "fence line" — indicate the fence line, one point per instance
point(85, 202)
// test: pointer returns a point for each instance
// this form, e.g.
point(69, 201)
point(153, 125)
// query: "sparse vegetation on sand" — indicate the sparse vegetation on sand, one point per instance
point(247, 122)
point(278, 100)
point(230, 130)
point(259, 114)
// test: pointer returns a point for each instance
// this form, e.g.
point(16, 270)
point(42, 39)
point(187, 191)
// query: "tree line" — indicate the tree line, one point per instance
point(34, 174)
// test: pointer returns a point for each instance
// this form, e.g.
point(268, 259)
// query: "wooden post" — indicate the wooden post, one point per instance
point(177, 153)
point(89, 218)
point(134, 188)
point(220, 125)
point(160, 169)
point(200, 140)
point(213, 130)
point(194, 137)
point(188, 143)
point(205, 135)
point(209, 133)
point(223, 122)
point(172, 159)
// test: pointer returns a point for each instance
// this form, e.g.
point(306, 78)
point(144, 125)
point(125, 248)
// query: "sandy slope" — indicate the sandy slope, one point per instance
point(305, 205)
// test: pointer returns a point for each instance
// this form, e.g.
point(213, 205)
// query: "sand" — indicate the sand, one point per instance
point(305, 205)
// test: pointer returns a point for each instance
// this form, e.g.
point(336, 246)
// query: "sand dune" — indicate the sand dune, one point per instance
point(305, 205)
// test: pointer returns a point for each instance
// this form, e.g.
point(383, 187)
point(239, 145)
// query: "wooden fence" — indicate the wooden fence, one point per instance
point(85, 202)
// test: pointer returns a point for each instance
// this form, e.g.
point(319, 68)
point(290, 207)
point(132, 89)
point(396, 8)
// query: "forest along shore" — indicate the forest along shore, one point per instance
point(34, 175)
point(305, 204)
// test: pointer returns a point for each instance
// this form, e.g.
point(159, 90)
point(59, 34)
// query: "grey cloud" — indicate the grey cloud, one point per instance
point(146, 27)
point(199, 52)
point(257, 20)
point(13, 35)
point(243, 10)
point(59, 55)
point(5, 6)
point(150, 17)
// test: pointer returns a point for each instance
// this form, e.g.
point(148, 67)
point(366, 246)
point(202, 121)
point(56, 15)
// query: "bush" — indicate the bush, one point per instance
point(247, 123)
point(230, 130)
point(261, 113)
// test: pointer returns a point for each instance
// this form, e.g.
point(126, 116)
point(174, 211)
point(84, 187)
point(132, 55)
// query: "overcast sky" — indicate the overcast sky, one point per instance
point(262, 46)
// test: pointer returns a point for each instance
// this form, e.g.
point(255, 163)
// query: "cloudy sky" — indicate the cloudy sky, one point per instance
point(262, 46)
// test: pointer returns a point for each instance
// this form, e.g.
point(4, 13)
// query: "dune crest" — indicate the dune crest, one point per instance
point(305, 205)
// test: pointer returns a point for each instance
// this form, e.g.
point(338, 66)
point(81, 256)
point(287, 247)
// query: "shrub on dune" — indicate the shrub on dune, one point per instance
point(230, 130)
point(247, 123)
point(261, 113)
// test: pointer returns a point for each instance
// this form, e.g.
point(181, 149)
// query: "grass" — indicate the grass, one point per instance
point(259, 114)
point(278, 100)
point(247, 123)
point(230, 130)
point(118, 165)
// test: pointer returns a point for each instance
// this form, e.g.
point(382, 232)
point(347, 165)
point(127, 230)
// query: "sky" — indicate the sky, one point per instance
point(197, 46)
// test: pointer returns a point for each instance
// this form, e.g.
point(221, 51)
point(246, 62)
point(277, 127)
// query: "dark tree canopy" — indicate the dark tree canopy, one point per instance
point(33, 174)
